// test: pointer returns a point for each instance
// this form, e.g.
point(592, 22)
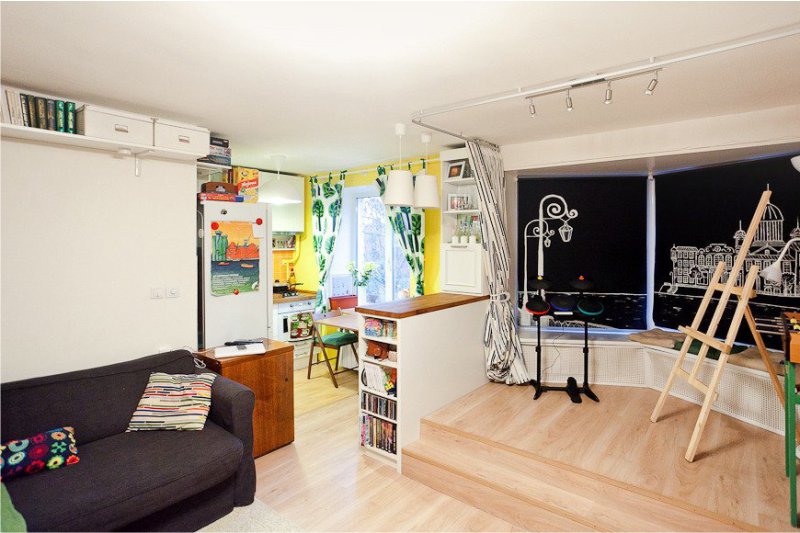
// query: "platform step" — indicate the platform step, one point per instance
point(538, 494)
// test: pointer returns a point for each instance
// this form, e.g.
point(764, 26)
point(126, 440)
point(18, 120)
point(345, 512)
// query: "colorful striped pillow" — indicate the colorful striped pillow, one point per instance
point(174, 401)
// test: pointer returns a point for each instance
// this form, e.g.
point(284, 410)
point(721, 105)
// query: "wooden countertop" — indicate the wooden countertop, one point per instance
point(273, 348)
point(301, 295)
point(420, 305)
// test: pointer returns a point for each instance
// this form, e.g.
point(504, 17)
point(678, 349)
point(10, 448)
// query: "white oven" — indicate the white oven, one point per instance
point(292, 323)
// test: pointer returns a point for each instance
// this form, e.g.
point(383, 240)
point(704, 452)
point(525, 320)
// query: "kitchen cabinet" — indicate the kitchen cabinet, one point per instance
point(286, 196)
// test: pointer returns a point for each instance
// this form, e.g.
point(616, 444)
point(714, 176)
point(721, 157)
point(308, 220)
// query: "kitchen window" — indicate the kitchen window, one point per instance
point(376, 243)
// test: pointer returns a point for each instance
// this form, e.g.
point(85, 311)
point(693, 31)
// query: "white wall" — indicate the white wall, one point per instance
point(83, 242)
point(726, 132)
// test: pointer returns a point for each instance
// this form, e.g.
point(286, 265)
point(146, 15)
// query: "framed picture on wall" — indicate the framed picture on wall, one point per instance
point(459, 202)
point(455, 171)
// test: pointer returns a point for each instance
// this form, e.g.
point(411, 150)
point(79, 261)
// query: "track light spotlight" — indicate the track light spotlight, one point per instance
point(651, 86)
point(532, 108)
point(608, 94)
point(569, 101)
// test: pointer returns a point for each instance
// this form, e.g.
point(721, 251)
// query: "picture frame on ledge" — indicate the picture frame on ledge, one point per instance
point(459, 202)
point(455, 171)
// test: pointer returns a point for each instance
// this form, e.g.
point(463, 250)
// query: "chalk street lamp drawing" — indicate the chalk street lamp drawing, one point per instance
point(551, 208)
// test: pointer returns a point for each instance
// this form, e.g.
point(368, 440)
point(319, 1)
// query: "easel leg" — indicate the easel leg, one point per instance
point(668, 385)
point(762, 350)
point(711, 396)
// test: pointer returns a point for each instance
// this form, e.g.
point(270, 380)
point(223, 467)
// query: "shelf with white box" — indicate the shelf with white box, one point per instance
point(118, 132)
point(461, 266)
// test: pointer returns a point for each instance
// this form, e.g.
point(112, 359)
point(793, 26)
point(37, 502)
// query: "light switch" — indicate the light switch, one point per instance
point(173, 292)
point(157, 294)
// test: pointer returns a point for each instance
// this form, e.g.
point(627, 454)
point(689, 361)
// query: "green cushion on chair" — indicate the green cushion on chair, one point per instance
point(340, 338)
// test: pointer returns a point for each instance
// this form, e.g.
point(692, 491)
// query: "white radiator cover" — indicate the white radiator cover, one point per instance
point(744, 394)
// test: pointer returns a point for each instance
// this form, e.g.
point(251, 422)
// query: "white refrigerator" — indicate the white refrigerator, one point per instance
point(235, 272)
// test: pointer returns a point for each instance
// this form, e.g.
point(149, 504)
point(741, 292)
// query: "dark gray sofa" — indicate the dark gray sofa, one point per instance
point(137, 481)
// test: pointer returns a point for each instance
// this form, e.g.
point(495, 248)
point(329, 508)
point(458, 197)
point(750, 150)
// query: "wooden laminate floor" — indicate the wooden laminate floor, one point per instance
point(737, 473)
point(322, 482)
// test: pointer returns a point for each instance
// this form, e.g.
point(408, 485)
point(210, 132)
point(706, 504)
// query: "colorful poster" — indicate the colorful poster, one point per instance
point(234, 258)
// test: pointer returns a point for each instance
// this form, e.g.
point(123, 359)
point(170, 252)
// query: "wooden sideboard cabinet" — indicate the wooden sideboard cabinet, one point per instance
point(271, 378)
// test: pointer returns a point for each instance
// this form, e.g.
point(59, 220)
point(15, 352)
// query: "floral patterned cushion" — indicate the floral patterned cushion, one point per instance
point(44, 451)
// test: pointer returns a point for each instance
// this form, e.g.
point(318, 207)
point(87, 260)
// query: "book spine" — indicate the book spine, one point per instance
point(23, 102)
point(13, 107)
point(61, 122)
point(32, 111)
point(69, 115)
point(51, 114)
point(41, 112)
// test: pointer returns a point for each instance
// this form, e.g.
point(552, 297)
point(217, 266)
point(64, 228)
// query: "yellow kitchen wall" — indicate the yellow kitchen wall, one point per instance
point(306, 267)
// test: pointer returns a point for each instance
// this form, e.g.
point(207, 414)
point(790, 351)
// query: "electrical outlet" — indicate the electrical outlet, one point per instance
point(157, 293)
point(173, 292)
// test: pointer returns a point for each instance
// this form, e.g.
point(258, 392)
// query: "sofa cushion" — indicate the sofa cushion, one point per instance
point(47, 450)
point(97, 402)
point(173, 401)
point(125, 477)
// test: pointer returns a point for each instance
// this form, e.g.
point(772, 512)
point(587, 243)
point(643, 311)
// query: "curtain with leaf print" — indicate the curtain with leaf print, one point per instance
point(326, 210)
point(408, 225)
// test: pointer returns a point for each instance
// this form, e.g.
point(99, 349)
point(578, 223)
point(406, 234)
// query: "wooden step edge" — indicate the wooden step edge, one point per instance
point(606, 505)
point(409, 451)
point(740, 524)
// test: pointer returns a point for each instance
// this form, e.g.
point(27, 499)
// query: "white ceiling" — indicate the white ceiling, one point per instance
point(324, 83)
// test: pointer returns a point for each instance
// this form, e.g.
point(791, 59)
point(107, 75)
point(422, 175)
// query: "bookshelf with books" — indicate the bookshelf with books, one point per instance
point(54, 120)
point(407, 369)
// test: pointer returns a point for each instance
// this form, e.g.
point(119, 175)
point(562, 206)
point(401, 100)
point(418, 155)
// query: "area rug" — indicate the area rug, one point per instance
point(257, 516)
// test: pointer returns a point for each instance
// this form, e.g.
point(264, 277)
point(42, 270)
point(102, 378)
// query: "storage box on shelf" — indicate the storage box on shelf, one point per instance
point(110, 130)
point(461, 251)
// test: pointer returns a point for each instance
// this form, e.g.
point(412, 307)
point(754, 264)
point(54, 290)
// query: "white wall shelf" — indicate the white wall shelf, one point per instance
point(94, 143)
point(462, 212)
point(461, 265)
point(469, 180)
point(385, 340)
point(206, 170)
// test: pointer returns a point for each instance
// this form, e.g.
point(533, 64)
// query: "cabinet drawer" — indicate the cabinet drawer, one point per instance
point(462, 268)
point(181, 137)
point(104, 123)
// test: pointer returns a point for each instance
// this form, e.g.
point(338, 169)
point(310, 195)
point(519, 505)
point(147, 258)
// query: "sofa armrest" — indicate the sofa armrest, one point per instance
point(232, 408)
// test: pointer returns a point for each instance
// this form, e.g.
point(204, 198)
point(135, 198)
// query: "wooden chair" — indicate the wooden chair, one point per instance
point(343, 302)
point(335, 341)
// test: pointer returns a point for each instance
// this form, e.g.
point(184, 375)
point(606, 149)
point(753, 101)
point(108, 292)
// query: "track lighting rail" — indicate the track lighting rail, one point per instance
point(651, 65)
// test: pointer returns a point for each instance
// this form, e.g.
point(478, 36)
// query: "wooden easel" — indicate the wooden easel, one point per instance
point(707, 340)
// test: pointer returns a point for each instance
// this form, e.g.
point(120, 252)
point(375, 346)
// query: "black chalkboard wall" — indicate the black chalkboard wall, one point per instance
point(697, 222)
point(608, 241)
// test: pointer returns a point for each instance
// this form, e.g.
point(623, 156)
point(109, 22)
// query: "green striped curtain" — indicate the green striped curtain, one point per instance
point(408, 224)
point(326, 210)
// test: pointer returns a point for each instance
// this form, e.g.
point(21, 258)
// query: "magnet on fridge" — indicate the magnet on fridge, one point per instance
point(259, 229)
point(215, 226)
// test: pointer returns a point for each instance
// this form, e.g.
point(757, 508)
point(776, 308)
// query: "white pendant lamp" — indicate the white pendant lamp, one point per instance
point(426, 188)
point(400, 184)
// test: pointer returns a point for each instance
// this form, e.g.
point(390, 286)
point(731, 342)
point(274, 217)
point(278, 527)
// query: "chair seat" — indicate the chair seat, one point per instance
point(340, 338)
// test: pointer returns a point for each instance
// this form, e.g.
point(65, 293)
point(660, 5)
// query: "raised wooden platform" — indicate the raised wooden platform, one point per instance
point(555, 465)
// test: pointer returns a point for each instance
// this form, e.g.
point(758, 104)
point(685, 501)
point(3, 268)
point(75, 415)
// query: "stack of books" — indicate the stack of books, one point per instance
point(219, 152)
point(377, 433)
point(40, 112)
